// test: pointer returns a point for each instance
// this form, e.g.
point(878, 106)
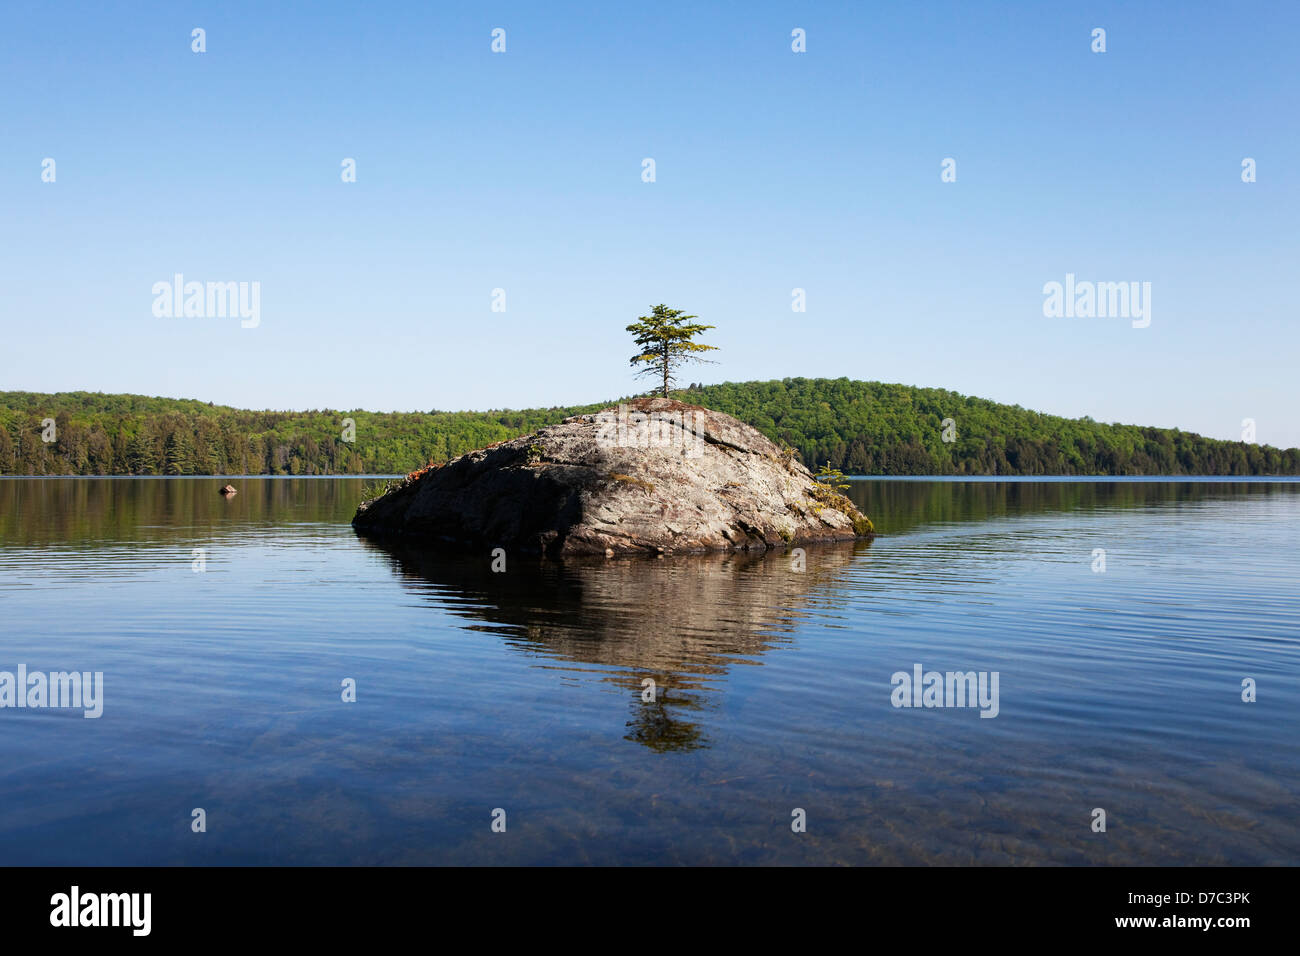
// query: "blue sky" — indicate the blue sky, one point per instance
point(774, 171)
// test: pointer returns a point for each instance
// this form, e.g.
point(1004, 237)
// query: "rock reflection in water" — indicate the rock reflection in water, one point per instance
point(680, 621)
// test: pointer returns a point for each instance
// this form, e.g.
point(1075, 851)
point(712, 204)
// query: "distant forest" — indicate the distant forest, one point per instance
point(866, 428)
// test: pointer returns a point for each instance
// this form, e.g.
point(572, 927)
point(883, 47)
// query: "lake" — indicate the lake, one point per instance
point(1121, 618)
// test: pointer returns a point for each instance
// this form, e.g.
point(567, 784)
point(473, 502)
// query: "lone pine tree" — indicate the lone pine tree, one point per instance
point(664, 337)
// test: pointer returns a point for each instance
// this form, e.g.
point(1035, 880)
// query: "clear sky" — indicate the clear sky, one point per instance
point(775, 170)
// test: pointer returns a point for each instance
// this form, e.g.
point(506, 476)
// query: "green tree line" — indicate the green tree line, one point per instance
point(871, 428)
point(96, 434)
point(858, 427)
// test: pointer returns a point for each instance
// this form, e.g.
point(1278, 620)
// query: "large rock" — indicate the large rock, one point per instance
point(653, 475)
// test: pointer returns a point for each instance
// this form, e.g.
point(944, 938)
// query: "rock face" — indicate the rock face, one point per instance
point(654, 475)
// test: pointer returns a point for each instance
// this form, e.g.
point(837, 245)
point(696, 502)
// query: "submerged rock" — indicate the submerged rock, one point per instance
point(654, 475)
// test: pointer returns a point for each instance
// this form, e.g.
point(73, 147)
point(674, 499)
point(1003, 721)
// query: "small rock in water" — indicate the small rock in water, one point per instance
point(229, 491)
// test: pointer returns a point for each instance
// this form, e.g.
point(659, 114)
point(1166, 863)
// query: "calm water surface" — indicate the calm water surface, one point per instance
point(523, 690)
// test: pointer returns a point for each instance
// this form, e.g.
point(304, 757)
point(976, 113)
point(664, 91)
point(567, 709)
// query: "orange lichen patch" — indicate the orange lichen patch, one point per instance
point(630, 480)
point(421, 472)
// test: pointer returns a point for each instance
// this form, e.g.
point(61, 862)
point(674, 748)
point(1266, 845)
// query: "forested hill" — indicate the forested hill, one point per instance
point(858, 427)
point(870, 428)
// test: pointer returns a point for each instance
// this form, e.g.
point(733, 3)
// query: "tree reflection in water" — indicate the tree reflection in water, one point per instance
point(679, 620)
